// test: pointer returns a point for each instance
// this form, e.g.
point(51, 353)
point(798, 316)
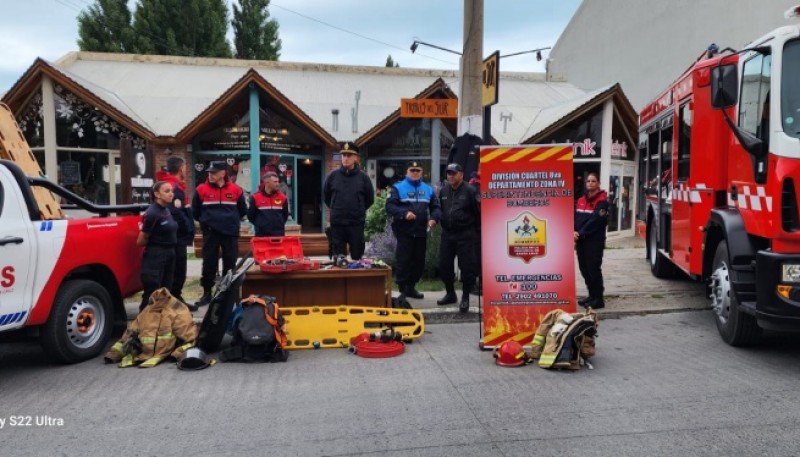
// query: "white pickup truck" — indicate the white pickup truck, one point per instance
point(64, 280)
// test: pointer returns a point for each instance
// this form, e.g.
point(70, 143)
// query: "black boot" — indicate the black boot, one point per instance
point(584, 300)
point(448, 299)
point(463, 307)
point(595, 303)
point(204, 300)
point(411, 292)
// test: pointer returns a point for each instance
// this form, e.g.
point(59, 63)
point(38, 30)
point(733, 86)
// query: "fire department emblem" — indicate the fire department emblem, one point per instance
point(526, 237)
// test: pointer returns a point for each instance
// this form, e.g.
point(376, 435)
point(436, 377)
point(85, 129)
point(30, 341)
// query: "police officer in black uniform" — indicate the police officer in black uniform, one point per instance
point(348, 192)
point(159, 238)
point(460, 220)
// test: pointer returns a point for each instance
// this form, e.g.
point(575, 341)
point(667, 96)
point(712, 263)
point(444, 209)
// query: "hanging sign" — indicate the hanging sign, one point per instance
point(527, 213)
point(429, 107)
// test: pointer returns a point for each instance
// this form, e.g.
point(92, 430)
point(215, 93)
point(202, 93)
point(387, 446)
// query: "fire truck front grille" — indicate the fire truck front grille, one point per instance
point(789, 216)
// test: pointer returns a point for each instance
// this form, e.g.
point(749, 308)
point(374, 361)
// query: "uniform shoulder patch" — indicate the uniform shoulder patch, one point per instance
point(177, 202)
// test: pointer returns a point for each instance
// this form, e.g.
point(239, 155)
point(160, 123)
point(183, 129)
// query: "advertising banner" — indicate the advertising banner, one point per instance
point(527, 213)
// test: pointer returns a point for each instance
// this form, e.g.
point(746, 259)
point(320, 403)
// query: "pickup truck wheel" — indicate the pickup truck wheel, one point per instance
point(735, 327)
point(658, 264)
point(80, 322)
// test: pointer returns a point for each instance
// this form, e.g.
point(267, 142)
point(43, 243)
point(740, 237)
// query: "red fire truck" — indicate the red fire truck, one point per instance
point(720, 172)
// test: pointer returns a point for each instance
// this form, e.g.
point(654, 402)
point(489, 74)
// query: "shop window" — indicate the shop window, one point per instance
point(30, 122)
point(583, 133)
point(83, 174)
point(283, 166)
point(81, 125)
point(238, 169)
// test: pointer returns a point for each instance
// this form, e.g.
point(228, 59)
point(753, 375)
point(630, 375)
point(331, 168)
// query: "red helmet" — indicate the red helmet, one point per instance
point(510, 354)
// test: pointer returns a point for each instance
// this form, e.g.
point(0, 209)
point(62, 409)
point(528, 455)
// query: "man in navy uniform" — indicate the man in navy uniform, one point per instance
point(414, 209)
point(219, 206)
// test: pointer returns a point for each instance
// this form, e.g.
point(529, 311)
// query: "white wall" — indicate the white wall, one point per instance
point(646, 44)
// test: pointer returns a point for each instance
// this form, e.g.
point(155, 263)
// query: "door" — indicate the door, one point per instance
point(17, 248)
point(684, 193)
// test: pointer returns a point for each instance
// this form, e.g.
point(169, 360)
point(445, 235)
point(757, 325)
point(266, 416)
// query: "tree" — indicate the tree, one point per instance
point(391, 63)
point(255, 34)
point(106, 27)
point(182, 27)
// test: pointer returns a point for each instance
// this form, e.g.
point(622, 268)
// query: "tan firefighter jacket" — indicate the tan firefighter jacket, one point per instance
point(562, 338)
point(164, 328)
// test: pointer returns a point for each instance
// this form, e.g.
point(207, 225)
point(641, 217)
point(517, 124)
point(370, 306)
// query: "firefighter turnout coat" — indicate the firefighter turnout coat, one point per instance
point(164, 328)
point(563, 338)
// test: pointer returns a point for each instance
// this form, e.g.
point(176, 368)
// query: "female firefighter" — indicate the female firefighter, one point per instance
point(159, 236)
point(591, 218)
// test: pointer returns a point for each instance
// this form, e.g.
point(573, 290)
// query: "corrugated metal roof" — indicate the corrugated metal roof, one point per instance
point(166, 93)
point(552, 114)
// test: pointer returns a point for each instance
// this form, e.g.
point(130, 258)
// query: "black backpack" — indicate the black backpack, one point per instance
point(257, 332)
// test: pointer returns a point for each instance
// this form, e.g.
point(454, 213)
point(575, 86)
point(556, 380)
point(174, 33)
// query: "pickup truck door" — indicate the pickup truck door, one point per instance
point(17, 251)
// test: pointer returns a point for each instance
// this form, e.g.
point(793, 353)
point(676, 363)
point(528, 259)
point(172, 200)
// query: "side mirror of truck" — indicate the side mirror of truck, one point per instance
point(724, 86)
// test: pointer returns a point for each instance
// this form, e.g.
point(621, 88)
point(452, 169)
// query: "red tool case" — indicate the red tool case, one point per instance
point(280, 254)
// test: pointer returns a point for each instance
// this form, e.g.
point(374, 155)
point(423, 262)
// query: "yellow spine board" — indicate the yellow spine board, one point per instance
point(333, 326)
point(13, 147)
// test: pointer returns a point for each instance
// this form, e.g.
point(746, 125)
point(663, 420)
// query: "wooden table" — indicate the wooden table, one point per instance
point(334, 286)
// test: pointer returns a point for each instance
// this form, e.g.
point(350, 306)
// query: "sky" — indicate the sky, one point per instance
point(352, 32)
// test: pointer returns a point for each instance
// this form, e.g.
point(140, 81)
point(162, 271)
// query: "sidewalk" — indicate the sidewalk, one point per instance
point(630, 288)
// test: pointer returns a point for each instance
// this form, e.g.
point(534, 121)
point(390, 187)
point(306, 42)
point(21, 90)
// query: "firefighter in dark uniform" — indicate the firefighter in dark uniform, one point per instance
point(175, 174)
point(348, 192)
point(219, 206)
point(414, 209)
point(591, 218)
point(268, 209)
point(460, 218)
point(158, 237)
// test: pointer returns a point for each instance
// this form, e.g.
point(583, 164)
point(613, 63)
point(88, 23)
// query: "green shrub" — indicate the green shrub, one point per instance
point(376, 218)
point(431, 270)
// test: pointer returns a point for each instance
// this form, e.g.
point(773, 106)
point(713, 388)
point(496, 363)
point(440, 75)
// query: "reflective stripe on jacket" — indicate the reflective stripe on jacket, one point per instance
point(164, 328)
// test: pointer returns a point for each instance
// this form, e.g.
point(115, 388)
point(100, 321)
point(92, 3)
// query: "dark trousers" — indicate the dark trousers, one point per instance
point(179, 278)
point(348, 235)
point(410, 259)
point(590, 262)
point(158, 264)
point(461, 245)
point(212, 242)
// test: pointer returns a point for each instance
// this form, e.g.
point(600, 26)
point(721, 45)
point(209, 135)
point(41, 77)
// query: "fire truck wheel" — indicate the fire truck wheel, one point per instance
point(80, 322)
point(659, 266)
point(735, 327)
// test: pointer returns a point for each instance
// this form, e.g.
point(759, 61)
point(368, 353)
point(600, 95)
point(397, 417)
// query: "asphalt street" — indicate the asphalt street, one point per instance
point(662, 384)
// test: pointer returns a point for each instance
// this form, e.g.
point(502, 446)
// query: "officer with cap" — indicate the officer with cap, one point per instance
point(348, 192)
point(460, 219)
point(414, 209)
point(219, 206)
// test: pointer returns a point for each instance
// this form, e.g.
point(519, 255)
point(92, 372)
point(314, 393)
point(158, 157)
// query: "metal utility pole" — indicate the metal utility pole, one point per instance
point(470, 115)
